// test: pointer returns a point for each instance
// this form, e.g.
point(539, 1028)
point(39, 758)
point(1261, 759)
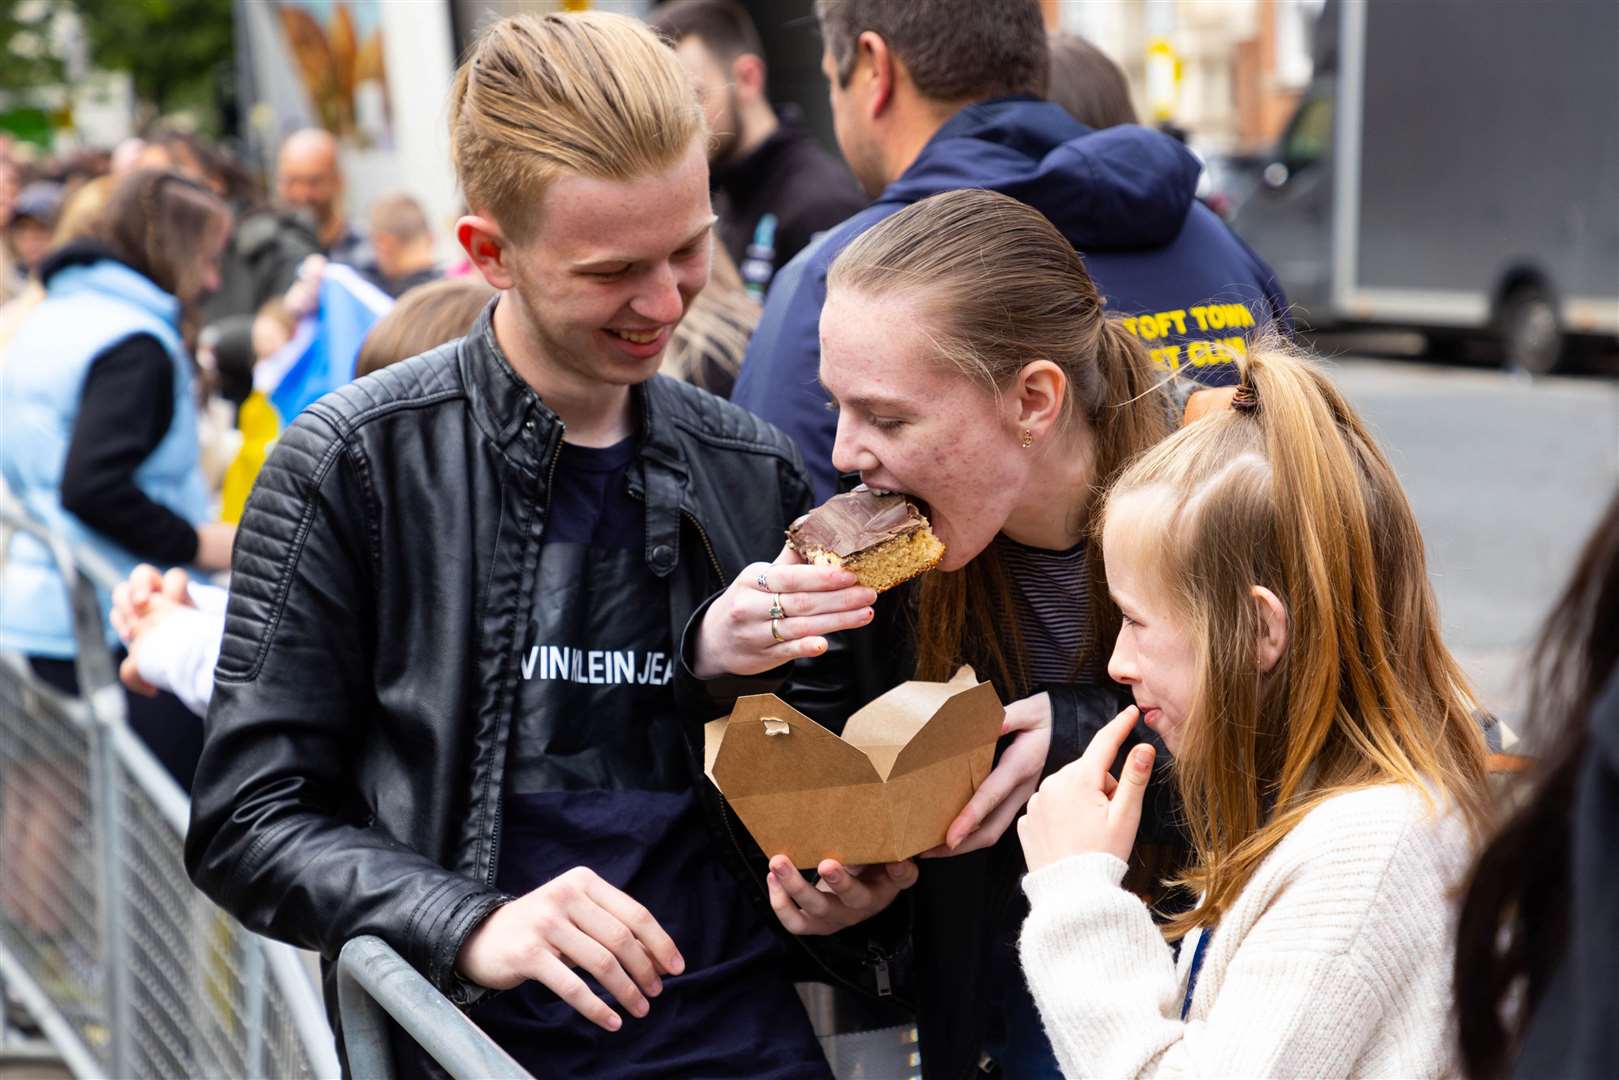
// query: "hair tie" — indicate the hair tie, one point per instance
point(1245, 400)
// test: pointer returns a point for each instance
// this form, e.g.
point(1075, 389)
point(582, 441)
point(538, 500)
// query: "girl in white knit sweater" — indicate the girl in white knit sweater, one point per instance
point(1281, 637)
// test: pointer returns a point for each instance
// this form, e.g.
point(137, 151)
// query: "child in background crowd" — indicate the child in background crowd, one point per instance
point(425, 317)
point(1281, 636)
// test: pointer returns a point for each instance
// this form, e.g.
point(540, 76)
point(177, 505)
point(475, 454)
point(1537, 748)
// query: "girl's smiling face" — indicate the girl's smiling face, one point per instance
point(1156, 655)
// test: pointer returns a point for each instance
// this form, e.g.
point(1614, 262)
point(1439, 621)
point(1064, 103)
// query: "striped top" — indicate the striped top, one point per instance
point(1051, 606)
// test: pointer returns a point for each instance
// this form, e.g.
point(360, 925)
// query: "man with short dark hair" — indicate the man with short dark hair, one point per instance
point(930, 95)
point(774, 186)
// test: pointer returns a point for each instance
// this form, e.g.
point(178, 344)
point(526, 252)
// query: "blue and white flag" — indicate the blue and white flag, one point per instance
point(319, 358)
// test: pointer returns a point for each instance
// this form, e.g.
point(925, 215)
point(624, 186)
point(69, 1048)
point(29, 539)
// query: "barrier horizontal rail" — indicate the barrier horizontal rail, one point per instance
point(372, 979)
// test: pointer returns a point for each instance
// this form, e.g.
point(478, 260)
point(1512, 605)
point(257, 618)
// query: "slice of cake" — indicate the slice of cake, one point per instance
point(882, 538)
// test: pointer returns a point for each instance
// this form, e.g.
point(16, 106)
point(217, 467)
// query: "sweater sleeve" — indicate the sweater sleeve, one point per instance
point(1110, 994)
point(180, 653)
point(125, 409)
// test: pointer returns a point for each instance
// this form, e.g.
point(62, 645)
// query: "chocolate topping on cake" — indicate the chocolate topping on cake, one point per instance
point(854, 521)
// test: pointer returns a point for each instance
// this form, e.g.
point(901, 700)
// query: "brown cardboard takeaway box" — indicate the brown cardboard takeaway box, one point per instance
point(906, 765)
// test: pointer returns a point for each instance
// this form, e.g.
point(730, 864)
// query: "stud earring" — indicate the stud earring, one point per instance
point(1028, 438)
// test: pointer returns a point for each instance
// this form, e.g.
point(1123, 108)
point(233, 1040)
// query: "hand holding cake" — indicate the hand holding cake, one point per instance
point(777, 612)
point(837, 559)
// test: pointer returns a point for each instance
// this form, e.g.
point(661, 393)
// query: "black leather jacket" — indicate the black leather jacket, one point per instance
point(352, 778)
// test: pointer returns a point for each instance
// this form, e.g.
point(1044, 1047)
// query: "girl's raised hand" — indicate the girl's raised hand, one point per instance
point(1009, 784)
point(1081, 809)
point(776, 612)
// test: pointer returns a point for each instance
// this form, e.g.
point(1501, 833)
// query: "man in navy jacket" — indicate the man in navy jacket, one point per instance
point(932, 95)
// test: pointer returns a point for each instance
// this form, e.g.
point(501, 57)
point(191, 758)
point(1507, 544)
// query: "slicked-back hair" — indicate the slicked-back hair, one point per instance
point(579, 93)
point(1001, 286)
point(955, 50)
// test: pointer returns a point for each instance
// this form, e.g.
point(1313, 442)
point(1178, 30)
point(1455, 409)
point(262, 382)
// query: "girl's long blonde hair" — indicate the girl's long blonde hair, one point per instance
point(1288, 490)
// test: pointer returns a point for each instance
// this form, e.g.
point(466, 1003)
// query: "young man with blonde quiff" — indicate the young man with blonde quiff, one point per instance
point(445, 709)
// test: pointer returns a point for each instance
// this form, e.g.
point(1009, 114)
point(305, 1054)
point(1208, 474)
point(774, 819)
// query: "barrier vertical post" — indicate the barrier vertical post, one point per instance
point(365, 1030)
point(254, 978)
point(114, 953)
point(117, 999)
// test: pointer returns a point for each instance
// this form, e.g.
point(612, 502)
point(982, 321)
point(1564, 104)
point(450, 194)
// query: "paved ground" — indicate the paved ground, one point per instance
point(1508, 477)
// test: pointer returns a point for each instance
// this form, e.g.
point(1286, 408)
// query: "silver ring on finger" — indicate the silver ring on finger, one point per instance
point(775, 630)
point(763, 581)
point(776, 611)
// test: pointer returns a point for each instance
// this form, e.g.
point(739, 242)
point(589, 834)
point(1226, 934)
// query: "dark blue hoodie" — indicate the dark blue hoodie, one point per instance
point(1124, 197)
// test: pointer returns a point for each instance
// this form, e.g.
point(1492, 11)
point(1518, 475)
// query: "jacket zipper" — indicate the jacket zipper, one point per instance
point(880, 959)
point(500, 802)
point(713, 559)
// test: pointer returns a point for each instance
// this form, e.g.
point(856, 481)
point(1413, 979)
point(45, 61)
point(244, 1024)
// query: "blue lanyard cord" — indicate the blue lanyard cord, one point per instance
point(1197, 966)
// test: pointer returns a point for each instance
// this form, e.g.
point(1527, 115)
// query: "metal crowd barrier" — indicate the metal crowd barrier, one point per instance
point(129, 971)
point(126, 969)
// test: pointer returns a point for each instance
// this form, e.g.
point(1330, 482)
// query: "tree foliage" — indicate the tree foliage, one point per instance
point(29, 62)
point(173, 49)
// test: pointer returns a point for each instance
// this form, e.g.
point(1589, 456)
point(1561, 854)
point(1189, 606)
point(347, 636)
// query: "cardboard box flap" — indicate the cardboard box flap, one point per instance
point(768, 747)
point(885, 727)
point(713, 735)
point(958, 727)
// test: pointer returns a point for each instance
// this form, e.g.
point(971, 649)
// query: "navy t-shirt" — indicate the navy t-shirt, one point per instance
point(598, 777)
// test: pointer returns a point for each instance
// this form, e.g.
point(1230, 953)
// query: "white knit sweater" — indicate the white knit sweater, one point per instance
point(1335, 960)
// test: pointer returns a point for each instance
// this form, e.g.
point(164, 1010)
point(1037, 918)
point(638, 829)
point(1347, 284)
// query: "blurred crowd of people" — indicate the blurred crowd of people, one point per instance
point(1004, 301)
